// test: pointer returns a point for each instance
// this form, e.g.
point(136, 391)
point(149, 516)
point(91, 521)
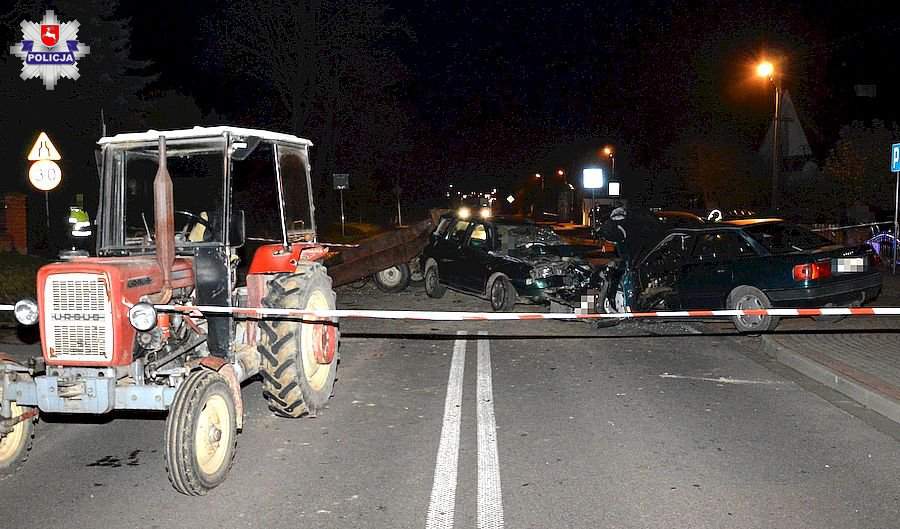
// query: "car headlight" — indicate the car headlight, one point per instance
point(142, 316)
point(26, 311)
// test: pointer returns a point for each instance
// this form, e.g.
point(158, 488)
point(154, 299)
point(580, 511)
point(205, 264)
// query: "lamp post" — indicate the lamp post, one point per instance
point(611, 154)
point(766, 70)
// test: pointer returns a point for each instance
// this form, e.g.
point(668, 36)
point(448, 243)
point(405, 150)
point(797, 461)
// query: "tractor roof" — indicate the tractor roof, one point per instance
point(202, 132)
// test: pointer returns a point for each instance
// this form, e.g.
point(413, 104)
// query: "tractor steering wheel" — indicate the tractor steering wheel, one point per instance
point(199, 220)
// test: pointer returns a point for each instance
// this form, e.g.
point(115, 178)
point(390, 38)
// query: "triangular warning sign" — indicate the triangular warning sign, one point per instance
point(43, 149)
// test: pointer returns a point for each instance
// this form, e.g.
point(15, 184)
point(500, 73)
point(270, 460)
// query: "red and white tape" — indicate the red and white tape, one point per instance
point(261, 313)
point(265, 312)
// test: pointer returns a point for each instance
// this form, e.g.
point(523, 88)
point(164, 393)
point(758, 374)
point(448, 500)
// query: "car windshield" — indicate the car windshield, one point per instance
point(779, 238)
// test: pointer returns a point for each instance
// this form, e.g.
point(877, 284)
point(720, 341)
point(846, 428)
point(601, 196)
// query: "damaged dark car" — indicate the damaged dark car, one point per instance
point(504, 260)
point(743, 264)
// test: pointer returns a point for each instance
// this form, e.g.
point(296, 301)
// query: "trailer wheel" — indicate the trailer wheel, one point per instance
point(299, 358)
point(201, 433)
point(16, 444)
point(394, 279)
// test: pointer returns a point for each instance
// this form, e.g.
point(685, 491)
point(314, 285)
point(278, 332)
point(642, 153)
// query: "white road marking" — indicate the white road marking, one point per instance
point(490, 498)
point(725, 380)
point(443, 490)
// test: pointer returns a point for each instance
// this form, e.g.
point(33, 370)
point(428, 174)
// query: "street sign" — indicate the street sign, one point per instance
point(43, 149)
point(340, 181)
point(614, 189)
point(44, 175)
point(895, 158)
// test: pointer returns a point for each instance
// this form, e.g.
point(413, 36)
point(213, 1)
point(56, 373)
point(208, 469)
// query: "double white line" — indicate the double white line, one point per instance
point(443, 491)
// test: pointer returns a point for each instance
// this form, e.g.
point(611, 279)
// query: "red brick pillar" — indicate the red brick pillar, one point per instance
point(16, 214)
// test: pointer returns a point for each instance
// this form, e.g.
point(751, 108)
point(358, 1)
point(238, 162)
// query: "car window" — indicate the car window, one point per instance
point(479, 237)
point(670, 253)
point(785, 238)
point(720, 246)
point(443, 226)
point(458, 232)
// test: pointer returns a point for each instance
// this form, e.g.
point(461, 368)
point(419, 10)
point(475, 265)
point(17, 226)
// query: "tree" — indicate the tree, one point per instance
point(324, 69)
point(857, 167)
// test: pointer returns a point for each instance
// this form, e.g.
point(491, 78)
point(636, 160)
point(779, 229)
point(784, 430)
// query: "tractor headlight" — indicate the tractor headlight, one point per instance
point(26, 311)
point(142, 316)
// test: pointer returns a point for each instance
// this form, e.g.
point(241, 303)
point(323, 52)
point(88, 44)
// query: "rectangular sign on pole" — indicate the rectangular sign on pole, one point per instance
point(895, 158)
point(340, 181)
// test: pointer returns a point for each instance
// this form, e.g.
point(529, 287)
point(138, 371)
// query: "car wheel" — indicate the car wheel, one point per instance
point(603, 305)
point(503, 294)
point(433, 286)
point(750, 298)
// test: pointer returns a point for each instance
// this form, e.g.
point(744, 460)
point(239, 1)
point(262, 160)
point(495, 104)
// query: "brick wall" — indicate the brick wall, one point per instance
point(14, 223)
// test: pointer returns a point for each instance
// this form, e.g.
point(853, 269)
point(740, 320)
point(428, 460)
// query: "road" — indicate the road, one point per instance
point(638, 426)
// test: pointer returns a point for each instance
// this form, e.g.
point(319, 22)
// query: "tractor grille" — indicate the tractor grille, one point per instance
point(78, 318)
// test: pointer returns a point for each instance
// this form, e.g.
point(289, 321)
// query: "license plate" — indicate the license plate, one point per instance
point(850, 264)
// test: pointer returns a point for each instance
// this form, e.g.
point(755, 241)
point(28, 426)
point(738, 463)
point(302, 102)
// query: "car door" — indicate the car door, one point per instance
point(708, 275)
point(447, 251)
point(658, 273)
point(475, 259)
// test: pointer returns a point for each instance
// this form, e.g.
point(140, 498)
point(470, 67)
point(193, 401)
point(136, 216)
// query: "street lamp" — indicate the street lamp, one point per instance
point(766, 70)
point(611, 154)
point(539, 177)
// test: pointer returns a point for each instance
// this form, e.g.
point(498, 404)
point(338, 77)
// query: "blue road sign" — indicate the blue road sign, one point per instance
point(895, 158)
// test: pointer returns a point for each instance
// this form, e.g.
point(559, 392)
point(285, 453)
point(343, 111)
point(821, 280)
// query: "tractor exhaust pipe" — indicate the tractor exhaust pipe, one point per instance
point(164, 224)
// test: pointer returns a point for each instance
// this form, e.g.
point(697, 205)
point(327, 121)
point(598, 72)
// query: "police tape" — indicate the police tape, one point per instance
point(276, 313)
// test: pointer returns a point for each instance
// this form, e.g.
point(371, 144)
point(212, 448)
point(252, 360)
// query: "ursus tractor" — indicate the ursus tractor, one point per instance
point(214, 217)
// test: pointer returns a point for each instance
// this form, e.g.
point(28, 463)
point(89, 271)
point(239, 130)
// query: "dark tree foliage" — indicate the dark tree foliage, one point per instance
point(322, 69)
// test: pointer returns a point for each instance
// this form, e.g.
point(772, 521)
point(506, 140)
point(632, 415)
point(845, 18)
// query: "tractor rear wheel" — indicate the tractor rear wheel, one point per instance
point(201, 433)
point(299, 358)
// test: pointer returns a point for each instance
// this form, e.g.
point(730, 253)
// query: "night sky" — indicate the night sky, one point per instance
point(494, 91)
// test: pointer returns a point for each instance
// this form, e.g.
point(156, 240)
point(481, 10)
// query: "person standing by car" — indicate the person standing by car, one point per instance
point(634, 231)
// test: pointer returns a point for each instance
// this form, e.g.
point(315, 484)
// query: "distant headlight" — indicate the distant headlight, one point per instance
point(142, 316)
point(26, 311)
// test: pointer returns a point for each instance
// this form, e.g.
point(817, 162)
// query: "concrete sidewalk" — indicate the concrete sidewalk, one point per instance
point(859, 356)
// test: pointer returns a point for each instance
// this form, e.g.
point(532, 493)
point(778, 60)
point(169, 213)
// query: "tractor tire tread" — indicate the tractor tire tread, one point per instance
point(281, 375)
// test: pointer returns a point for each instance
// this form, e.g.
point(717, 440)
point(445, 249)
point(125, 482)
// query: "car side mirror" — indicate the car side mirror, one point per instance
point(237, 229)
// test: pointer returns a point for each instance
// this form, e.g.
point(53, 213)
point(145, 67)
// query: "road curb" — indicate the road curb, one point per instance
point(862, 393)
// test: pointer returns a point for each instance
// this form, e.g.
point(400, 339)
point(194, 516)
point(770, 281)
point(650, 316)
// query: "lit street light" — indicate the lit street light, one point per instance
point(766, 70)
point(611, 154)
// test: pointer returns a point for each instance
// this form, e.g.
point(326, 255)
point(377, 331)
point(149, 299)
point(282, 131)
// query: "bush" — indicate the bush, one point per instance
point(17, 279)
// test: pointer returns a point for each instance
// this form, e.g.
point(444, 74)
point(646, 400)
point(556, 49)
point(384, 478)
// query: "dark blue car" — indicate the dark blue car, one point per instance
point(745, 264)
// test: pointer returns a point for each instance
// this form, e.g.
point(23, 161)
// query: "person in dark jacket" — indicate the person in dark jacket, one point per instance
point(635, 231)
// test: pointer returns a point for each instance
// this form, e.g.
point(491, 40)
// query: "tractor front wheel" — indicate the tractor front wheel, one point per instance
point(16, 442)
point(201, 433)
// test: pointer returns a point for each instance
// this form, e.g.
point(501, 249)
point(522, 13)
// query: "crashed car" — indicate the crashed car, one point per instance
point(743, 264)
point(504, 260)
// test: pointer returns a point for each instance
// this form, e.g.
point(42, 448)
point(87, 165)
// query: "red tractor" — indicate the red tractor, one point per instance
point(231, 224)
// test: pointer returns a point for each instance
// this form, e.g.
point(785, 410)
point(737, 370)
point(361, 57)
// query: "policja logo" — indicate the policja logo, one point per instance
point(50, 50)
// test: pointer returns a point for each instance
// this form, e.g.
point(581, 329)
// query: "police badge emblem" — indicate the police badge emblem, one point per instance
point(50, 50)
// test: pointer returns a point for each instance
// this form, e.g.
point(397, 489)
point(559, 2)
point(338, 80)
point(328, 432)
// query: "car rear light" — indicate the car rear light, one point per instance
point(874, 259)
point(812, 271)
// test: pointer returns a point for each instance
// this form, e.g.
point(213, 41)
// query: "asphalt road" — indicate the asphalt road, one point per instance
point(629, 427)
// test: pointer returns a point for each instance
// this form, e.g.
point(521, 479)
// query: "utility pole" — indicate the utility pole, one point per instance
point(776, 145)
